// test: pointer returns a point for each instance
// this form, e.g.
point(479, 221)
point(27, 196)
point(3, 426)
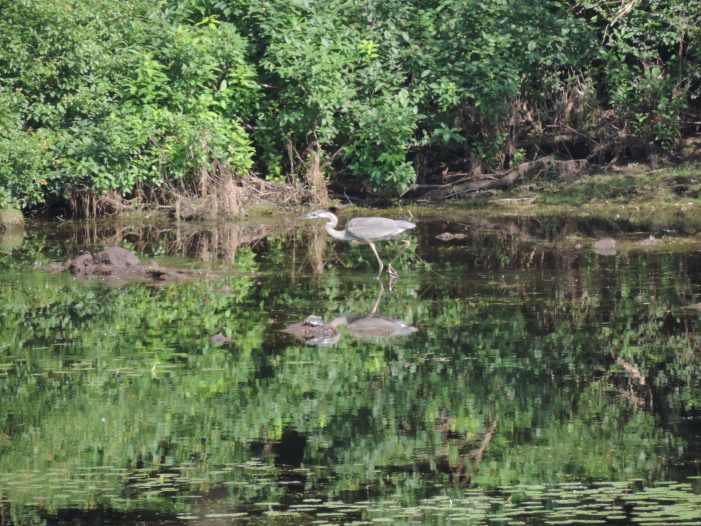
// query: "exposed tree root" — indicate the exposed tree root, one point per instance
point(212, 194)
point(89, 204)
point(233, 197)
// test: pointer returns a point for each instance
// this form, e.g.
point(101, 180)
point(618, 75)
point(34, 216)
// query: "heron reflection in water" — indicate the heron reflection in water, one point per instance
point(314, 331)
point(366, 230)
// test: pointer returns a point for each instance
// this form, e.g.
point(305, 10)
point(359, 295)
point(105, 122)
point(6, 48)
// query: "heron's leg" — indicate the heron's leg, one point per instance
point(374, 251)
point(380, 292)
point(390, 268)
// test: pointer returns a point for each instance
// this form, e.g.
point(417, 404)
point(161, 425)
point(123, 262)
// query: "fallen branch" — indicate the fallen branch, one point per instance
point(500, 181)
point(418, 187)
point(550, 140)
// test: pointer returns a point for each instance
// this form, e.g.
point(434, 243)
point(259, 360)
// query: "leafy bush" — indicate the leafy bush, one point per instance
point(332, 85)
point(118, 95)
point(380, 140)
point(650, 65)
point(108, 96)
point(24, 159)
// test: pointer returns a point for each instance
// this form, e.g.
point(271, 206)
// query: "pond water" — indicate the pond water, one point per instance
point(511, 375)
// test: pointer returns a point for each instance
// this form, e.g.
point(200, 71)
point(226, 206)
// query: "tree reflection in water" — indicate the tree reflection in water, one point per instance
point(535, 363)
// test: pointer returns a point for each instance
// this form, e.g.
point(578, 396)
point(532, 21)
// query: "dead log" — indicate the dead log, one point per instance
point(553, 140)
point(566, 170)
point(498, 181)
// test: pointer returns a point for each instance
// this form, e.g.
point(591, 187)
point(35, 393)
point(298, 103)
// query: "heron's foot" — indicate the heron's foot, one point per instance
point(393, 274)
point(392, 281)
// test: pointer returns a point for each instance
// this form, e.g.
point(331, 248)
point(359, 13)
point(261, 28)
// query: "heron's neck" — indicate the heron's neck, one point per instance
point(336, 234)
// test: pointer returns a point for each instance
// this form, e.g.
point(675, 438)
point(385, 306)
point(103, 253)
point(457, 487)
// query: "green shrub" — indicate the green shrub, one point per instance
point(106, 96)
point(24, 156)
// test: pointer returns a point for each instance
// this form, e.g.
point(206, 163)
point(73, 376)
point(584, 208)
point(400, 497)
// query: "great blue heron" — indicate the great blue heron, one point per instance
point(365, 230)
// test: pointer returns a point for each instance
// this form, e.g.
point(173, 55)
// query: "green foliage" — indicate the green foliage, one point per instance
point(112, 96)
point(650, 65)
point(645, 67)
point(332, 85)
point(24, 156)
point(380, 139)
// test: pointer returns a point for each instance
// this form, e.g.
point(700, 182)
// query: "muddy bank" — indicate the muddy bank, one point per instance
point(117, 266)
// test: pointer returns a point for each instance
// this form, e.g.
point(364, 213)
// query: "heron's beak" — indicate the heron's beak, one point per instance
point(310, 215)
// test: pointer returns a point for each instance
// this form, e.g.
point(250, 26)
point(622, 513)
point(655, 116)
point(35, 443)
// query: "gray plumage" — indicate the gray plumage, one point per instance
point(367, 229)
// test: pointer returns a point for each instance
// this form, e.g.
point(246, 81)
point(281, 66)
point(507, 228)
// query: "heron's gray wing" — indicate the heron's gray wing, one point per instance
point(373, 228)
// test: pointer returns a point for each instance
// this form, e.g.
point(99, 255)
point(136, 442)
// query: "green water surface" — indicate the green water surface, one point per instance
point(545, 383)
